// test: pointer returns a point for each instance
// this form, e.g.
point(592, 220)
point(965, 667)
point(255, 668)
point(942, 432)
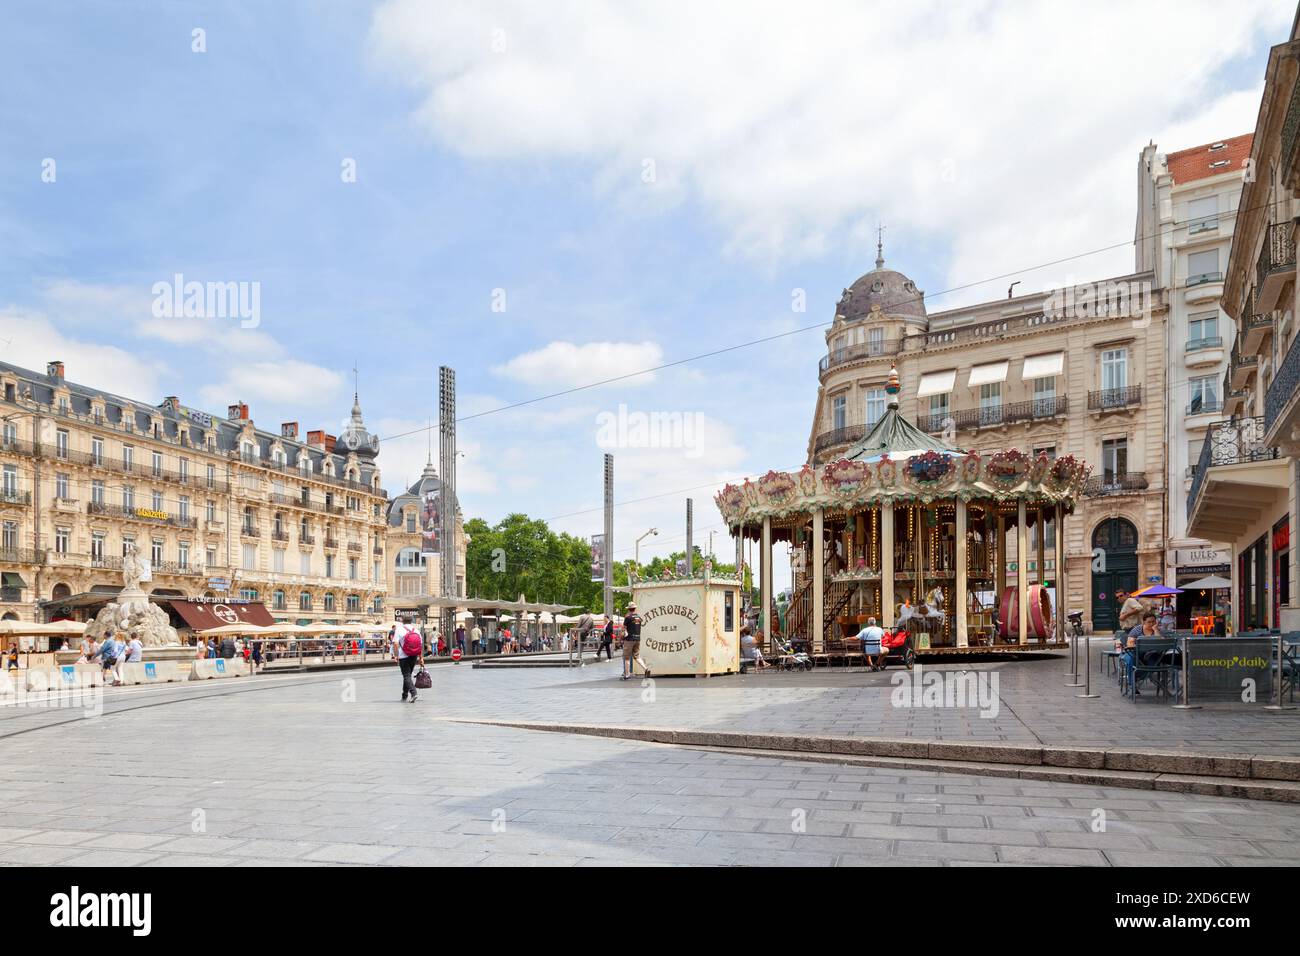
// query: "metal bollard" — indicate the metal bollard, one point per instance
point(1087, 673)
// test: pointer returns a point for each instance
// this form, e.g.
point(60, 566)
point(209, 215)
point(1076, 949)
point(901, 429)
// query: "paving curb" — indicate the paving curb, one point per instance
point(1249, 776)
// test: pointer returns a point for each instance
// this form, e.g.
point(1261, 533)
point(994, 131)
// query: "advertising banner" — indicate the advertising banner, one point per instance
point(598, 557)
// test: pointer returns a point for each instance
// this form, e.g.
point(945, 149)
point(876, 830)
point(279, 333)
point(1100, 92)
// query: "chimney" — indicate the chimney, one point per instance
point(54, 370)
point(238, 411)
point(329, 442)
point(316, 439)
point(289, 430)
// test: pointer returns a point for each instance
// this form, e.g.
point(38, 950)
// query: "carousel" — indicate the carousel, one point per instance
point(915, 532)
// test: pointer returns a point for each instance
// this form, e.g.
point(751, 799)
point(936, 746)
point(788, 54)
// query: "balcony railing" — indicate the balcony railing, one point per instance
point(1232, 442)
point(20, 556)
point(1209, 342)
point(249, 531)
point(839, 436)
point(1283, 387)
point(1290, 129)
point(106, 562)
point(19, 446)
point(332, 543)
point(1109, 398)
point(1116, 483)
point(354, 546)
point(279, 536)
point(862, 350)
point(306, 539)
point(1277, 255)
point(1204, 406)
point(1033, 410)
point(147, 515)
point(15, 497)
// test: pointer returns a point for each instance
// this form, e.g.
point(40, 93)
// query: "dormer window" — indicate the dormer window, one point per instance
point(877, 286)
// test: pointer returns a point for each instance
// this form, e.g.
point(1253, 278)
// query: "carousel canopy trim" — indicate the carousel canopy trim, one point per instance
point(989, 373)
point(1044, 366)
point(931, 476)
point(936, 383)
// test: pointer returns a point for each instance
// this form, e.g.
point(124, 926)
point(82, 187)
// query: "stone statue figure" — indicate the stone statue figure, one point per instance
point(133, 568)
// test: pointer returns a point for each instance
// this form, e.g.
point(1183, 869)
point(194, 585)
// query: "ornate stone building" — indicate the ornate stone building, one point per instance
point(221, 508)
point(1077, 372)
point(415, 570)
point(1245, 490)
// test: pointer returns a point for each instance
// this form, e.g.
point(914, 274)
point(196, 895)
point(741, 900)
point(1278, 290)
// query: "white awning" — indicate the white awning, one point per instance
point(989, 373)
point(937, 383)
point(1044, 366)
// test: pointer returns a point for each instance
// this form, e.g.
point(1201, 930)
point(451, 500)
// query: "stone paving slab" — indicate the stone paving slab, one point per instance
point(295, 775)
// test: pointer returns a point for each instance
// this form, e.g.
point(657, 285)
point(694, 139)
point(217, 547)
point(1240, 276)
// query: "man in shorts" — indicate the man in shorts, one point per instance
point(632, 644)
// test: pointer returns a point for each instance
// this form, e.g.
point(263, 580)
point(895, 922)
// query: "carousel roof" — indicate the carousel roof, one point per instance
point(898, 438)
point(898, 463)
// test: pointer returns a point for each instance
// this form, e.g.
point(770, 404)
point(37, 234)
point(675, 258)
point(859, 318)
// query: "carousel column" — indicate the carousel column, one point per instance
point(960, 599)
point(817, 554)
point(886, 565)
point(1022, 574)
point(765, 595)
point(1041, 534)
point(1001, 570)
point(1058, 579)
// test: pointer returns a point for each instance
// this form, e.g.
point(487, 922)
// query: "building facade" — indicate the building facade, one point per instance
point(415, 570)
point(1244, 490)
point(1079, 372)
point(220, 508)
point(1187, 213)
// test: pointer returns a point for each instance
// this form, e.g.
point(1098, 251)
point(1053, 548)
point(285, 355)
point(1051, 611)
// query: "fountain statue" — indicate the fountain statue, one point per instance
point(133, 614)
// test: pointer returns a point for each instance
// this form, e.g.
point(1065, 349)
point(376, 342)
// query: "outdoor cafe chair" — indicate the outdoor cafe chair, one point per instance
point(1290, 663)
point(1153, 660)
point(852, 649)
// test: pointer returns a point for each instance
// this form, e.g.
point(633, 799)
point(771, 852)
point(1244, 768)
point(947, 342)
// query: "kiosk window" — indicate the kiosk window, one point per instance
point(729, 611)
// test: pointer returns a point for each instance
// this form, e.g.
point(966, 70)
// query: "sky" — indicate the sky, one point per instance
point(547, 196)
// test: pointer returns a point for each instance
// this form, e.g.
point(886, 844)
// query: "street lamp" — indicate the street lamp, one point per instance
point(637, 558)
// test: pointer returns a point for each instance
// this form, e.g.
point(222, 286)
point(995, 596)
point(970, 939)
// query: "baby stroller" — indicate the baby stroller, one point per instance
point(897, 645)
point(792, 660)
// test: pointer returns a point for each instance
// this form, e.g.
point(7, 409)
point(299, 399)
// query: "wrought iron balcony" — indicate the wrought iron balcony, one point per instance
point(146, 515)
point(1116, 483)
point(1276, 265)
point(15, 497)
point(1107, 399)
point(1290, 129)
point(1282, 389)
point(1256, 330)
point(19, 446)
point(862, 350)
point(20, 556)
point(1229, 443)
point(839, 436)
point(279, 536)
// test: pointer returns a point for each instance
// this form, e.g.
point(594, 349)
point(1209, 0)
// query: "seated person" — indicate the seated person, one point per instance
point(748, 651)
point(871, 637)
point(1148, 628)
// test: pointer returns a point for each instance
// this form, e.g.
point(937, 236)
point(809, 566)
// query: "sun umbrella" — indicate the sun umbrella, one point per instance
point(1211, 582)
point(1157, 590)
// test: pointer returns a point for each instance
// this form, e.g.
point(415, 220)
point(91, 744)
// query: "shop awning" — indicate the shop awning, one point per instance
point(937, 383)
point(988, 373)
point(12, 579)
point(1044, 366)
point(202, 615)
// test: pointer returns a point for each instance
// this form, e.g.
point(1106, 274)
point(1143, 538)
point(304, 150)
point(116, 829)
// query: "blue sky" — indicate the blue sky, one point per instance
point(504, 147)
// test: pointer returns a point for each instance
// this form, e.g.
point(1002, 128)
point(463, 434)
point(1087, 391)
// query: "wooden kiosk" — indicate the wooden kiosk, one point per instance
point(690, 626)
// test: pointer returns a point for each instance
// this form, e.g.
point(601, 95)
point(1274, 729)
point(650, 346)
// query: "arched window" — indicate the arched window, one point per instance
point(354, 602)
point(277, 600)
point(410, 559)
point(329, 602)
point(1115, 534)
point(304, 601)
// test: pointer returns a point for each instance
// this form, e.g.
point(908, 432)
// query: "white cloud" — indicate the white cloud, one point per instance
point(565, 364)
point(29, 339)
point(1009, 130)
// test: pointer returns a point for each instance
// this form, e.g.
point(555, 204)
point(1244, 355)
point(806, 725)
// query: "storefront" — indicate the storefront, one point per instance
point(1253, 586)
point(1194, 564)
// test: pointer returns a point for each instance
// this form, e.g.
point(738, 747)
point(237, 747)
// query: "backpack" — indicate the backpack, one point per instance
point(411, 644)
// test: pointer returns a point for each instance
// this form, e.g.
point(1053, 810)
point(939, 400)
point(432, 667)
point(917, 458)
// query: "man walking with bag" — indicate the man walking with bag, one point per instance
point(632, 644)
point(408, 650)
